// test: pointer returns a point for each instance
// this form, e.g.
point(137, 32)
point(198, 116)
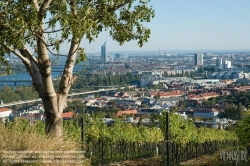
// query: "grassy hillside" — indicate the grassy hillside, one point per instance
point(29, 146)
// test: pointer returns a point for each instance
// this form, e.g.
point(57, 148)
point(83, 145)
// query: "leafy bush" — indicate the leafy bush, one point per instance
point(242, 131)
point(183, 131)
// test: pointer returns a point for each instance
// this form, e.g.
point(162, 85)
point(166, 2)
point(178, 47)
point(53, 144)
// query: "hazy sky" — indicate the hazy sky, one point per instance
point(189, 25)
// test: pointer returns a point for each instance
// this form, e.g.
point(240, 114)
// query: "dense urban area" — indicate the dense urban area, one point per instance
point(203, 86)
point(209, 90)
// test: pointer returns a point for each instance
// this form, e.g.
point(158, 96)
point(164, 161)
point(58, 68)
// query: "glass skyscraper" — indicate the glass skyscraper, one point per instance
point(104, 53)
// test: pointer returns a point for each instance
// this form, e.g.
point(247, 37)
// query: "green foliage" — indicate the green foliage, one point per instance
point(121, 131)
point(230, 112)
point(12, 96)
point(20, 125)
point(21, 23)
point(94, 130)
point(39, 127)
point(26, 93)
point(236, 98)
point(236, 113)
point(20, 93)
point(183, 131)
point(81, 56)
point(77, 106)
point(240, 112)
point(102, 80)
point(71, 130)
point(242, 131)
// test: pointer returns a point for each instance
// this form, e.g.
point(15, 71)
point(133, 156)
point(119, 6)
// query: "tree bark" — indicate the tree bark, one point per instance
point(33, 70)
point(53, 115)
point(53, 111)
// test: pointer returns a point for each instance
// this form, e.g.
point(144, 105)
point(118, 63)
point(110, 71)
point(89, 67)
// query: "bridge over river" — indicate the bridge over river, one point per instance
point(18, 81)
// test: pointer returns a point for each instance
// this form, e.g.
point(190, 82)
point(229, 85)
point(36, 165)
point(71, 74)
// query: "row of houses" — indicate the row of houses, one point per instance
point(30, 114)
point(227, 75)
point(196, 112)
point(132, 100)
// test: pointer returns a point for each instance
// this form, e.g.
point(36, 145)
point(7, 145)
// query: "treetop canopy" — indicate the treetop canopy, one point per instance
point(22, 22)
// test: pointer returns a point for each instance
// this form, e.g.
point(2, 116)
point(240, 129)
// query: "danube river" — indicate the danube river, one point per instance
point(56, 71)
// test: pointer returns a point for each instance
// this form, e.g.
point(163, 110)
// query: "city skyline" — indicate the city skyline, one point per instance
point(189, 25)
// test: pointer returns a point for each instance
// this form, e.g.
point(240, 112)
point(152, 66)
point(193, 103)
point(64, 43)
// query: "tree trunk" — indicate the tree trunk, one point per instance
point(54, 102)
point(53, 111)
point(43, 84)
point(53, 114)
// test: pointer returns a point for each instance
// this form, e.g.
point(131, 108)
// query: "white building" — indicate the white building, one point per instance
point(226, 65)
point(198, 58)
point(5, 112)
point(228, 75)
point(183, 115)
point(219, 62)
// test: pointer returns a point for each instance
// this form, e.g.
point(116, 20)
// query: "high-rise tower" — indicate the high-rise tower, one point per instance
point(104, 53)
point(219, 62)
point(198, 58)
point(226, 65)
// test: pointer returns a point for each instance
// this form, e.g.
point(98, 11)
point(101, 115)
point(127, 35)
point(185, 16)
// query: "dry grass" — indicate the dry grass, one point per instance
point(27, 142)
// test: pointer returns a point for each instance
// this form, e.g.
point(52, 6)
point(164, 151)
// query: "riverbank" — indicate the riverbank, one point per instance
point(23, 78)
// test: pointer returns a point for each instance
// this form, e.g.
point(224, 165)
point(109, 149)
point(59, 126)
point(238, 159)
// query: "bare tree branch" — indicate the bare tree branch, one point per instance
point(73, 6)
point(128, 32)
point(67, 77)
point(44, 8)
point(56, 54)
point(49, 45)
point(53, 31)
point(117, 6)
point(31, 55)
point(33, 71)
point(25, 60)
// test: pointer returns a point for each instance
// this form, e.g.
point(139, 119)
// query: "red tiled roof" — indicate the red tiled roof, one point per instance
point(172, 93)
point(4, 109)
point(126, 112)
point(203, 95)
point(67, 114)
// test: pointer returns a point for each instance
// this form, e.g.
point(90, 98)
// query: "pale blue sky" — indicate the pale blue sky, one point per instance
point(190, 25)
